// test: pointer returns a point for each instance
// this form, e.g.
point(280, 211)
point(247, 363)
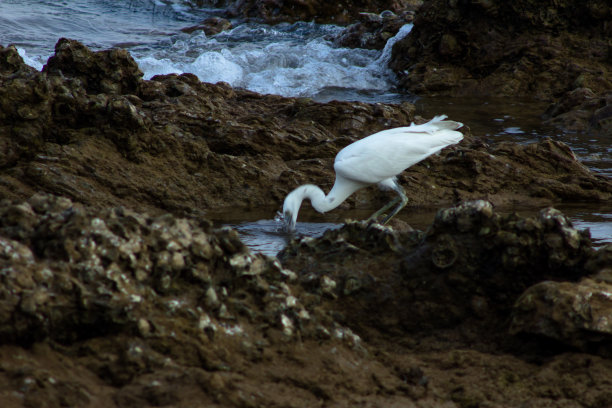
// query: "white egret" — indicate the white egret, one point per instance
point(375, 159)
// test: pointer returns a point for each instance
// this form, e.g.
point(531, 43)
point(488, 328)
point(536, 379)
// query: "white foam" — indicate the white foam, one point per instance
point(152, 66)
point(35, 62)
point(217, 66)
point(385, 56)
point(274, 62)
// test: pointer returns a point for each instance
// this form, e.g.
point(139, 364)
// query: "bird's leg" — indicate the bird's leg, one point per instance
point(378, 213)
point(403, 201)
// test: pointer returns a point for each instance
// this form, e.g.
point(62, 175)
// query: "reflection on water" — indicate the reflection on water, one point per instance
point(597, 218)
point(267, 236)
point(518, 120)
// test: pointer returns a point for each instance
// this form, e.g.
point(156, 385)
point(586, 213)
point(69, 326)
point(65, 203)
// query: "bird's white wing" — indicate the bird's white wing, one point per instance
point(386, 154)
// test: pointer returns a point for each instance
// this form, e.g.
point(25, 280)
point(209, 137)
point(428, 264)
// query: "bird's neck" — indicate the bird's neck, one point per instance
point(341, 190)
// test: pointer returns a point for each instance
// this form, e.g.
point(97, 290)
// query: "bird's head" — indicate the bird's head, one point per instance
point(291, 207)
point(293, 202)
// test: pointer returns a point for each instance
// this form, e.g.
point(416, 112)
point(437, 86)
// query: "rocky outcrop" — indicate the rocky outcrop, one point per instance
point(141, 304)
point(373, 30)
point(89, 128)
point(210, 26)
point(552, 50)
point(467, 270)
point(118, 308)
point(574, 313)
point(345, 12)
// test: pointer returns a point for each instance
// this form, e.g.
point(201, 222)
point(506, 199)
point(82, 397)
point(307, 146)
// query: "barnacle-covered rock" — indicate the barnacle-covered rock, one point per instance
point(500, 48)
point(159, 310)
point(308, 10)
point(472, 261)
point(71, 275)
point(372, 31)
point(576, 313)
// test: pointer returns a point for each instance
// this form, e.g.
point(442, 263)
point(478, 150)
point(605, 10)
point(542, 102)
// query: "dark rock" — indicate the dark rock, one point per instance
point(373, 30)
point(467, 270)
point(210, 26)
point(276, 11)
point(117, 307)
point(70, 275)
point(574, 313)
point(11, 62)
point(104, 305)
point(176, 144)
point(544, 49)
point(110, 72)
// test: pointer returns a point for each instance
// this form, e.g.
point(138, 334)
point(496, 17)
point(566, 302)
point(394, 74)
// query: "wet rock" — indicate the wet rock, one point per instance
point(120, 307)
point(110, 72)
point(579, 314)
point(600, 265)
point(210, 26)
point(373, 30)
point(320, 12)
point(176, 144)
point(69, 275)
point(544, 49)
point(472, 261)
point(11, 62)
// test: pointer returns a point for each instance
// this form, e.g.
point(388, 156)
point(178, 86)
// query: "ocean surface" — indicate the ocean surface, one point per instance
point(286, 59)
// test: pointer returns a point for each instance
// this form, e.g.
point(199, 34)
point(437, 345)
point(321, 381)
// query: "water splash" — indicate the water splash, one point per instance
point(34, 62)
point(289, 60)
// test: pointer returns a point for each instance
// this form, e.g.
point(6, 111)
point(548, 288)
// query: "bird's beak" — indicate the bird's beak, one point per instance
point(289, 221)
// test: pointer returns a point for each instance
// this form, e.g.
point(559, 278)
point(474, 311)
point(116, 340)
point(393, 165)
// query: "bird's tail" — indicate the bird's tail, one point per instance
point(439, 123)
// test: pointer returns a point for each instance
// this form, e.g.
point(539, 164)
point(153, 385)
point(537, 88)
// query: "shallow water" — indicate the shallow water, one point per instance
point(519, 120)
point(287, 59)
point(265, 235)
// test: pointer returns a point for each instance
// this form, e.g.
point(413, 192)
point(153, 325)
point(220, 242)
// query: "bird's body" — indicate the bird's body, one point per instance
point(376, 159)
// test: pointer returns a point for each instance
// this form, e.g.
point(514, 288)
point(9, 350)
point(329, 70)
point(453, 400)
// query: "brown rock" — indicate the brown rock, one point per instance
point(321, 12)
point(539, 49)
point(471, 260)
point(574, 313)
point(373, 30)
point(210, 26)
point(174, 143)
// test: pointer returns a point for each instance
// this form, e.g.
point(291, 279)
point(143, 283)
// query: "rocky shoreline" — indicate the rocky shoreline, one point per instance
point(118, 308)
point(116, 290)
point(554, 51)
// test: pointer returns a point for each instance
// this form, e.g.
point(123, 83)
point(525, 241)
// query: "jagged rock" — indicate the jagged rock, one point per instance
point(11, 62)
point(123, 309)
point(110, 72)
point(88, 127)
point(542, 48)
point(210, 26)
point(579, 314)
point(69, 275)
point(373, 30)
point(321, 12)
point(467, 269)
